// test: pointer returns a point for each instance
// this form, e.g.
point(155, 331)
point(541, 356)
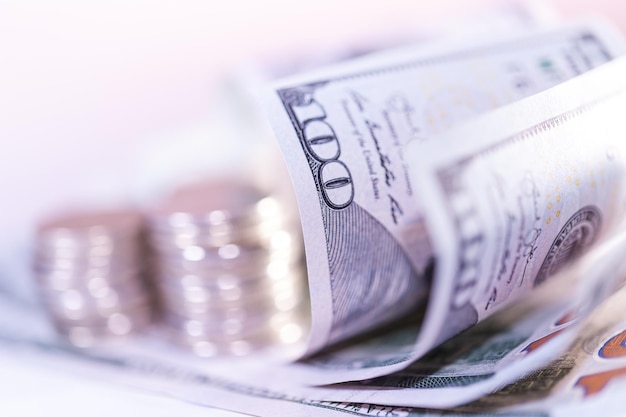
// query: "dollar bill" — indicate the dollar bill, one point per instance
point(342, 132)
point(512, 197)
point(342, 137)
point(588, 379)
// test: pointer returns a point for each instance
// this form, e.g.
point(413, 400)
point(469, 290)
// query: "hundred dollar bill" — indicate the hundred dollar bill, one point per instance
point(342, 132)
point(513, 196)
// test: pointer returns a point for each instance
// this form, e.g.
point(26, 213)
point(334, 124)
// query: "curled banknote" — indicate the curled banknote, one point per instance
point(343, 133)
point(512, 197)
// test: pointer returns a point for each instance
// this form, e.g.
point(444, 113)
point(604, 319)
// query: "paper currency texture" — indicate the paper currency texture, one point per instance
point(343, 132)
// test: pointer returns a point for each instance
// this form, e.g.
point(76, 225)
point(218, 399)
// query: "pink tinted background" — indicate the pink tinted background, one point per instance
point(87, 88)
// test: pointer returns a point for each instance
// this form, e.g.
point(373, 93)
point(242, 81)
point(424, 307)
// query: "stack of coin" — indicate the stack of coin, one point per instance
point(90, 275)
point(230, 268)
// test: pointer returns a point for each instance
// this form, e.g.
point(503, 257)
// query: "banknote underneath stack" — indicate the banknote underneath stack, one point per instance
point(228, 268)
point(90, 270)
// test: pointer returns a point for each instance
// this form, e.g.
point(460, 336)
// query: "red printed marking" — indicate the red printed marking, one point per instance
point(540, 342)
point(615, 347)
point(593, 384)
point(568, 317)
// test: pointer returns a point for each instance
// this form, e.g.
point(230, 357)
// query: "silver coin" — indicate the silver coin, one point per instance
point(114, 328)
point(90, 255)
point(289, 332)
point(166, 269)
point(78, 270)
point(222, 325)
point(211, 203)
point(219, 279)
point(96, 314)
point(124, 259)
point(189, 309)
point(223, 256)
point(192, 332)
point(280, 246)
point(258, 234)
point(235, 347)
point(183, 290)
point(270, 265)
point(171, 295)
point(227, 277)
point(60, 280)
point(178, 243)
point(219, 331)
point(97, 228)
point(221, 233)
point(73, 305)
point(95, 286)
point(281, 302)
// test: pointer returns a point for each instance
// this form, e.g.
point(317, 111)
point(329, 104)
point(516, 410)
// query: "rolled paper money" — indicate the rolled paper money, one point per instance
point(343, 133)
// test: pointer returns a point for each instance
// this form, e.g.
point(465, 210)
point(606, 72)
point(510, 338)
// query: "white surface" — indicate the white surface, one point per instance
point(35, 392)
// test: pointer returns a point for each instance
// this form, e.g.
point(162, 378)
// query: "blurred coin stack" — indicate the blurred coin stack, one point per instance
point(90, 276)
point(230, 269)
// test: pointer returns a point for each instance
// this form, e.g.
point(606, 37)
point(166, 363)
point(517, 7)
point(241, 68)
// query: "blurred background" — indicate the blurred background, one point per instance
point(109, 103)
